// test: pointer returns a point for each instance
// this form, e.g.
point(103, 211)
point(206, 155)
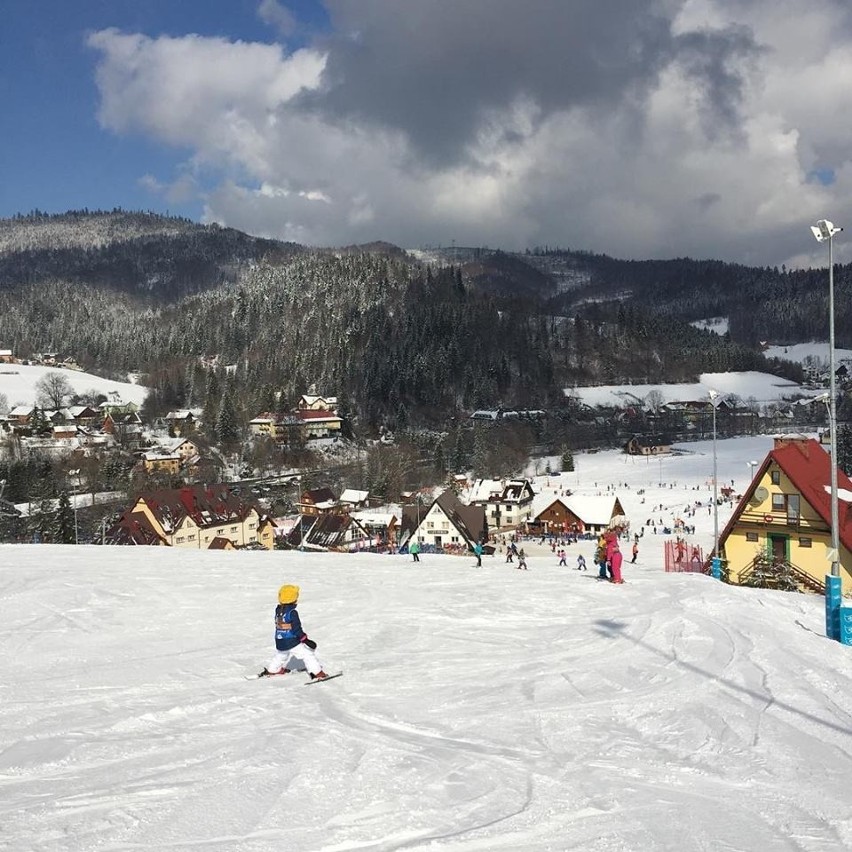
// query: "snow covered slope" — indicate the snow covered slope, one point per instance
point(481, 709)
point(18, 381)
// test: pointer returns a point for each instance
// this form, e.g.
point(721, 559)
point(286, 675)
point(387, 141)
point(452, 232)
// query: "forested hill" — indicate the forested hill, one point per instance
point(401, 339)
point(779, 305)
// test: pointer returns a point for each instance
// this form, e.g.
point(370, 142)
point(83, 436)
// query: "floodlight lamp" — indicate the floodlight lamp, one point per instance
point(713, 394)
point(824, 230)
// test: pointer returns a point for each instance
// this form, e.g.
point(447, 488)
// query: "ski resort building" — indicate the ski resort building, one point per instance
point(780, 533)
point(192, 517)
point(577, 514)
point(446, 525)
point(506, 503)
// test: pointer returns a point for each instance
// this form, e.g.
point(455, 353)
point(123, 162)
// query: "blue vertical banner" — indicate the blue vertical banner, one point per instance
point(846, 625)
point(832, 606)
point(716, 568)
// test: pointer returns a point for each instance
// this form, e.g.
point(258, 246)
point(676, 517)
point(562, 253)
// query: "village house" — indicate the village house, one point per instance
point(114, 403)
point(20, 416)
point(351, 498)
point(330, 531)
point(506, 503)
point(782, 524)
point(7, 357)
point(648, 445)
point(317, 501)
point(318, 423)
point(84, 415)
point(447, 524)
point(183, 421)
point(577, 513)
point(313, 402)
point(192, 517)
point(161, 461)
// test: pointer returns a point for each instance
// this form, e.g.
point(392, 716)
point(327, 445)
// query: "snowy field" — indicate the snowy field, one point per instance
point(764, 387)
point(718, 325)
point(18, 383)
point(800, 351)
point(480, 709)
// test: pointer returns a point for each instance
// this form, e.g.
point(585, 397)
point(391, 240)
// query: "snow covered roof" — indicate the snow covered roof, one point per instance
point(351, 495)
point(594, 510)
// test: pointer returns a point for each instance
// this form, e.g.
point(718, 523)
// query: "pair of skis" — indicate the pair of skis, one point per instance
point(258, 675)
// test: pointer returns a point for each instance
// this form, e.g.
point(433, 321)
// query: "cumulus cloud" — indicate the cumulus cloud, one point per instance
point(637, 127)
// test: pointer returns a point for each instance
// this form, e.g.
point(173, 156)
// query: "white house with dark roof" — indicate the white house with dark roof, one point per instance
point(507, 503)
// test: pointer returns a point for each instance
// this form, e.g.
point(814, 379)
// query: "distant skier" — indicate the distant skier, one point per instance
point(581, 563)
point(522, 560)
point(561, 556)
point(477, 551)
point(414, 550)
point(291, 642)
point(635, 552)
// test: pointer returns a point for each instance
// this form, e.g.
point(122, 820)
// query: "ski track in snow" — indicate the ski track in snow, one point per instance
point(481, 709)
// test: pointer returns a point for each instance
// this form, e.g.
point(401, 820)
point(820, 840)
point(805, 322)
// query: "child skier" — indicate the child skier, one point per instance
point(581, 563)
point(522, 560)
point(291, 642)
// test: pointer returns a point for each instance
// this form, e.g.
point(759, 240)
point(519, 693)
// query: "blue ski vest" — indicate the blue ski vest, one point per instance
point(288, 627)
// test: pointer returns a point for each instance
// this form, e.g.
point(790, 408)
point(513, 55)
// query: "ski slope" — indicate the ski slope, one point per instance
point(18, 383)
point(480, 709)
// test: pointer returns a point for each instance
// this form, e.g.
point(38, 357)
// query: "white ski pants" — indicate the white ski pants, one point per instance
point(300, 652)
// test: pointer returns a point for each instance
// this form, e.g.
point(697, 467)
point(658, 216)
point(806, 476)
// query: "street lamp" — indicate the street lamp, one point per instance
point(752, 465)
point(717, 562)
point(824, 231)
point(77, 474)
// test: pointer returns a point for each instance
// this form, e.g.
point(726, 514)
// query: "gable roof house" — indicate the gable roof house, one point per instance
point(577, 513)
point(192, 517)
point(447, 525)
point(648, 445)
point(506, 503)
point(329, 532)
point(314, 402)
point(351, 498)
point(318, 423)
point(183, 421)
point(317, 501)
point(782, 525)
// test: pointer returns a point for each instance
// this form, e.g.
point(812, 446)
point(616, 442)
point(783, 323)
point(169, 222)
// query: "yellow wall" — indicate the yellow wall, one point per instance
point(760, 519)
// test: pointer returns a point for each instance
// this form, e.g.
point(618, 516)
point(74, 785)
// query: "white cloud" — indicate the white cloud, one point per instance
point(703, 143)
point(277, 15)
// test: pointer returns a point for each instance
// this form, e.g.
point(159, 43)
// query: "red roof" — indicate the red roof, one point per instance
point(808, 467)
point(308, 414)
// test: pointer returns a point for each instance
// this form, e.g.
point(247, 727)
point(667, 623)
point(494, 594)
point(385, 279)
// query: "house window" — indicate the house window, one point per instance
point(253, 538)
point(806, 542)
point(751, 536)
point(430, 525)
point(779, 502)
point(454, 539)
point(793, 509)
point(776, 477)
point(221, 531)
point(180, 539)
point(250, 526)
point(191, 537)
point(234, 529)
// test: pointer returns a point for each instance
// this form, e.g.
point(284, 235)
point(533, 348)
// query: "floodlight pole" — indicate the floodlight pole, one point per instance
point(716, 562)
point(832, 416)
point(824, 231)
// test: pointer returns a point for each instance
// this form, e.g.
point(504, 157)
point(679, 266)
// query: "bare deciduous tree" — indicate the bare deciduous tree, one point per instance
point(52, 390)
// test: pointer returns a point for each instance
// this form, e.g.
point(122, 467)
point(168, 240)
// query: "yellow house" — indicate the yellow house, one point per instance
point(194, 517)
point(782, 525)
point(158, 461)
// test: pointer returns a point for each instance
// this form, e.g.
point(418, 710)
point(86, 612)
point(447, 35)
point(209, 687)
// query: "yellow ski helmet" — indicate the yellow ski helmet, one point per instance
point(288, 594)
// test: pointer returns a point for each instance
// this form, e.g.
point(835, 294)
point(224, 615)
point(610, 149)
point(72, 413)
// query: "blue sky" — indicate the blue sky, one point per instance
point(57, 155)
point(639, 128)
